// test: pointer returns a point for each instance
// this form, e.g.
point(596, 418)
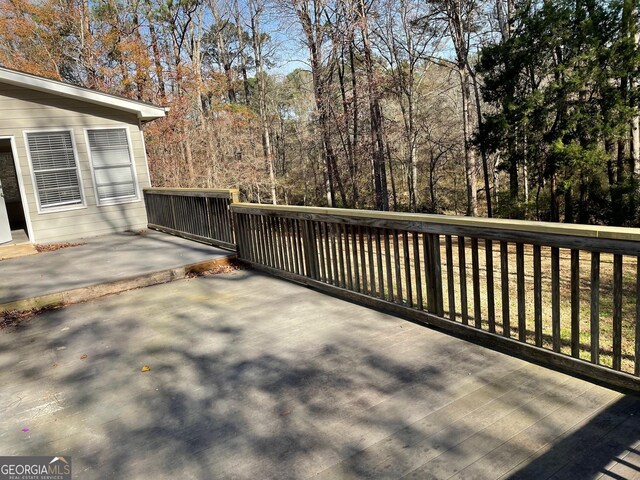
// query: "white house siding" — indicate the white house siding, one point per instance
point(22, 110)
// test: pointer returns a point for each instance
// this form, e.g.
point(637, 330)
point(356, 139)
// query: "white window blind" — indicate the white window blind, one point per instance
point(55, 169)
point(112, 165)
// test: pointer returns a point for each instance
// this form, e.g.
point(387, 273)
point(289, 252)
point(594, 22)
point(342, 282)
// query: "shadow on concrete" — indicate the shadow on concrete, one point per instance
point(253, 377)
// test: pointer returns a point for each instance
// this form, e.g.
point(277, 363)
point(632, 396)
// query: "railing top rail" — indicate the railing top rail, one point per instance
point(210, 192)
point(549, 228)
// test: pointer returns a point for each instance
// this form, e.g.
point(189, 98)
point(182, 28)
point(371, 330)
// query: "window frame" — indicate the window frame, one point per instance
point(61, 208)
point(114, 200)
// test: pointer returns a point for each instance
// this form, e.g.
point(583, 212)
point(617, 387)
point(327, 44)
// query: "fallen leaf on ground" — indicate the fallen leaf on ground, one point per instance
point(146, 368)
point(83, 356)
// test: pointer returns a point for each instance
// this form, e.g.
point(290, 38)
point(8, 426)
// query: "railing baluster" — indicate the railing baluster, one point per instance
point(437, 272)
point(407, 268)
point(286, 232)
point(417, 270)
point(173, 224)
point(286, 241)
point(363, 259)
point(334, 257)
point(388, 272)
point(555, 299)
point(346, 234)
point(575, 303)
point(293, 249)
point(343, 276)
point(475, 273)
point(264, 230)
point(537, 295)
point(290, 245)
point(255, 248)
point(522, 313)
point(379, 264)
point(310, 249)
point(320, 249)
point(241, 241)
point(260, 234)
point(396, 258)
point(354, 256)
point(273, 241)
point(279, 242)
point(617, 312)
point(595, 307)
point(450, 279)
point(428, 273)
point(372, 268)
point(304, 268)
point(462, 265)
point(491, 306)
point(327, 249)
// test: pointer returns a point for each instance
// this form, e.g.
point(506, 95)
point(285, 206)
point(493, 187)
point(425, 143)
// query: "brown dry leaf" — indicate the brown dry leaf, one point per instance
point(146, 368)
point(84, 356)
point(52, 247)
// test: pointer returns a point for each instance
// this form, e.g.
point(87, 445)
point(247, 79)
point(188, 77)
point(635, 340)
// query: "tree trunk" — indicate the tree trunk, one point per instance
point(241, 48)
point(377, 140)
point(483, 149)
point(469, 153)
point(256, 35)
point(635, 121)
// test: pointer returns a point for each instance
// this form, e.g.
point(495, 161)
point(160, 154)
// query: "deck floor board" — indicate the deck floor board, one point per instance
point(256, 377)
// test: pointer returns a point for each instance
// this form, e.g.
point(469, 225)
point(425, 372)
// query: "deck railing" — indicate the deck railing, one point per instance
point(563, 295)
point(198, 214)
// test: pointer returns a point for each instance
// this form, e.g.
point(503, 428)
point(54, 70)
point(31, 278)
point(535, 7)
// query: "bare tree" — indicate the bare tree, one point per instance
point(316, 18)
point(256, 11)
point(403, 45)
point(375, 112)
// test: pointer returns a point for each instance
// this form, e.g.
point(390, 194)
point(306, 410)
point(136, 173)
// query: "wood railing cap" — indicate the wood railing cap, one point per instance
point(592, 231)
point(229, 191)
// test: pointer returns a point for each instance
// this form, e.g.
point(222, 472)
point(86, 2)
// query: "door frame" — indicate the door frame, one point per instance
point(23, 195)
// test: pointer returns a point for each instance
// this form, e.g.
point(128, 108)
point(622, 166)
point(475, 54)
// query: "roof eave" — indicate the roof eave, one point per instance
point(145, 112)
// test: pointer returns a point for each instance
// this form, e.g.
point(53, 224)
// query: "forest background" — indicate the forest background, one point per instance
point(506, 108)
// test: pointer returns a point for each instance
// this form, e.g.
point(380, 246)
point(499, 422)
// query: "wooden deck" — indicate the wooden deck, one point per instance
point(254, 377)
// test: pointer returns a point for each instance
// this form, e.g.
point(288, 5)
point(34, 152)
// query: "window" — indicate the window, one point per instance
point(55, 169)
point(112, 165)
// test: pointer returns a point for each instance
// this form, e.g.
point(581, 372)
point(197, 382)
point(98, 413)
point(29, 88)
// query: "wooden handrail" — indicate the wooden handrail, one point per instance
point(232, 193)
point(194, 213)
point(371, 216)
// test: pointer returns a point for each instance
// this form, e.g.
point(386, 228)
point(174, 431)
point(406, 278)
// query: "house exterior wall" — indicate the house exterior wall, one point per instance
point(23, 110)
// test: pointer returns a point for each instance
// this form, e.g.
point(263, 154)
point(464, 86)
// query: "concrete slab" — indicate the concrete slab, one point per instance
point(254, 377)
point(99, 260)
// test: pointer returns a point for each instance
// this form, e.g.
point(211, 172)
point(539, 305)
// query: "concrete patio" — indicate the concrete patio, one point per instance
point(254, 377)
point(98, 266)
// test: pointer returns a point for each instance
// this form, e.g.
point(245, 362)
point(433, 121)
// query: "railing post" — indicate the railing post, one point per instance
point(234, 197)
point(310, 249)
